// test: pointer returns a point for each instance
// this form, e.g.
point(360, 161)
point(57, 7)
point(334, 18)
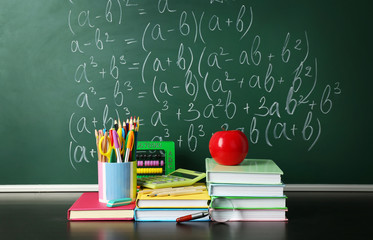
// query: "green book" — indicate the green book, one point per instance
point(250, 171)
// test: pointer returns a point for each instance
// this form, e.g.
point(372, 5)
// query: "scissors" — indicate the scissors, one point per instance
point(111, 146)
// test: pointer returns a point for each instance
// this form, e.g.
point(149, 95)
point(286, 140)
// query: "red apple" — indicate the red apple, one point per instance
point(229, 147)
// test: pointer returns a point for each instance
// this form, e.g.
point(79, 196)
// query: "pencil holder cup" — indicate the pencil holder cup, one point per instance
point(117, 180)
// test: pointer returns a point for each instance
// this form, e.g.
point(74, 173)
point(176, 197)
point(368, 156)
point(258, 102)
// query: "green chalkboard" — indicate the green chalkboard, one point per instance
point(294, 76)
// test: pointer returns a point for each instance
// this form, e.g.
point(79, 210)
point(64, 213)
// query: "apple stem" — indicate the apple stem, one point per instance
point(223, 128)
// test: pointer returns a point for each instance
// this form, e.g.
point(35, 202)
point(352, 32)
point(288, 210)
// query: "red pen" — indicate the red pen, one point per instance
point(192, 217)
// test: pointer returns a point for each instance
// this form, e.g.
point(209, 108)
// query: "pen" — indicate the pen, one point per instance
point(192, 216)
point(152, 192)
point(177, 193)
point(155, 191)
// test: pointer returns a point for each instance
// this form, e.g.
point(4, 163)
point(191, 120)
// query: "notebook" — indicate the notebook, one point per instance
point(87, 207)
point(250, 171)
point(196, 200)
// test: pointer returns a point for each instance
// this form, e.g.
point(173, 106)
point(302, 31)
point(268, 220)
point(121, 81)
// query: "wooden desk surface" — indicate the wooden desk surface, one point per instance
point(312, 215)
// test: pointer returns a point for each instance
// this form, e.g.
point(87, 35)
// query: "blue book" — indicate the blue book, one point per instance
point(167, 214)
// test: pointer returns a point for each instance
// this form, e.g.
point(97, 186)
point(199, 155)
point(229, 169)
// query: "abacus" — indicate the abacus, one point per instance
point(155, 158)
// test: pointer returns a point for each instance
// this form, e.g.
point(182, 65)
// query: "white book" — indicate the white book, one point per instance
point(249, 202)
point(249, 215)
point(245, 190)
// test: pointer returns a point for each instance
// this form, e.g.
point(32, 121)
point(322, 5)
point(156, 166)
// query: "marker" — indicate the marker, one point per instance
point(192, 217)
point(113, 157)
point(117, 146)
point(119, 202)
point(130, 142)
point(121, 140)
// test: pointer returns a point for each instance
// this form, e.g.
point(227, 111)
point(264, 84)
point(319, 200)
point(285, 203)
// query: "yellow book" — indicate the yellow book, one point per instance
point(195, 196)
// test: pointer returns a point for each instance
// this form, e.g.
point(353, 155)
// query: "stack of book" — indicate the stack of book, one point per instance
point(171, 203)
point(252, 190)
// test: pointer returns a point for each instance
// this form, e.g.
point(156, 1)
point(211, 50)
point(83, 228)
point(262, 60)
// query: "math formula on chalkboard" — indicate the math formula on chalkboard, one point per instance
point(188, 70)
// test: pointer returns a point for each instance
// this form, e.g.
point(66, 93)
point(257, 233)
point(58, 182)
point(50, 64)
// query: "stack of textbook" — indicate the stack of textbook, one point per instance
point(171, 203)
point(252, 190)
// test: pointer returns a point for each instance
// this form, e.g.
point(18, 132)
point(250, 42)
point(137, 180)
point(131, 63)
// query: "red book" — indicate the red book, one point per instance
point(87, 207)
